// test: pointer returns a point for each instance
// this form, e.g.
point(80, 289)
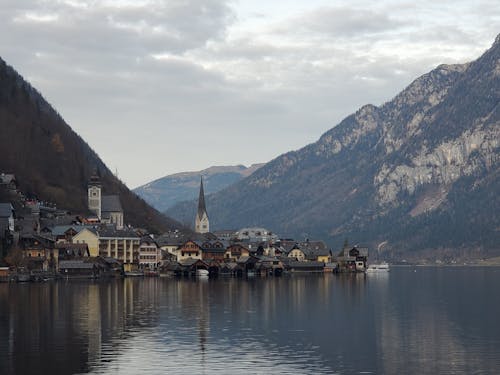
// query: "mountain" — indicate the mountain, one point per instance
point(51, 161)
point(415, 177)
point(164, 192)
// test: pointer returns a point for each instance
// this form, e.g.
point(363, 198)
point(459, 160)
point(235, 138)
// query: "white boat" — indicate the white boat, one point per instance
point(201, 272)
point(381, 267)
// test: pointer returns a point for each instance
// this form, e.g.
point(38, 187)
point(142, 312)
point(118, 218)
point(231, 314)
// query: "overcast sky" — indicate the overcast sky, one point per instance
point(164, 86)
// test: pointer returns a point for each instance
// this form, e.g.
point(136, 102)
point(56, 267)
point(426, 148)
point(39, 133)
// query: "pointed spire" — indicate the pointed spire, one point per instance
point(201, 201)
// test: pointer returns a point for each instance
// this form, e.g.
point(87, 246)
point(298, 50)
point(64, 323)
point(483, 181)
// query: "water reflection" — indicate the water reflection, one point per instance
point(430, 321)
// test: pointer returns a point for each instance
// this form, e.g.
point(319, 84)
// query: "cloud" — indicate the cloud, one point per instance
point(344, 22)
point(159, 77)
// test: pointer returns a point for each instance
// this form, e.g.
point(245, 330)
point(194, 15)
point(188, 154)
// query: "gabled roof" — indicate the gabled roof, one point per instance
point(111, 203)
point(60, 230)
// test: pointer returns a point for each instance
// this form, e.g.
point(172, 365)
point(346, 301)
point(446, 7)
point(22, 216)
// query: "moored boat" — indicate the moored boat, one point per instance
point(201, 272)
point(380, 267)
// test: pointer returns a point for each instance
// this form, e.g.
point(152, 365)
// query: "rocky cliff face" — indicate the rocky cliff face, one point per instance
point(419, 172)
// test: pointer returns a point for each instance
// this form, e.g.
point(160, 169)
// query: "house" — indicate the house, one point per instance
point(39, 253)
point(8, 181)
point(68, 251)
point(234, 251)
point(353, 259)
point(315, 251)
point(7, 217)
point(149, 253)
point(189, 249)
point(87, 235)
point(214, 250)
point(170, 242)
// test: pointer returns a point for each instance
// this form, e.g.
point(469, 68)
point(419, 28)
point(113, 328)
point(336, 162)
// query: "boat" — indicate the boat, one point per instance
point(380, 267)
point(201, 272)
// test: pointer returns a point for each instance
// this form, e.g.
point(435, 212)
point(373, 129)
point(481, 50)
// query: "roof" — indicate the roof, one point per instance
point(6, 209)
point(60, 230)
point(201, 201)
point(112, 232)
point(7, 178)
point(111, 203)
point(297, 264)
point(75, 264)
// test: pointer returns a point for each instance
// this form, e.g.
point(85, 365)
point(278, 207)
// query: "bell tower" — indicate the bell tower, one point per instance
point(94, 195)
point(201, 224)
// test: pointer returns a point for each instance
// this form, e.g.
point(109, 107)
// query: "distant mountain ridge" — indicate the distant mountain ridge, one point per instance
point(164, 192)
point(51, 161)
point(418, 174)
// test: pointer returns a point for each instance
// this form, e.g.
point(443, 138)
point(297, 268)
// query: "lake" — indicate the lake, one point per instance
point(414, 320)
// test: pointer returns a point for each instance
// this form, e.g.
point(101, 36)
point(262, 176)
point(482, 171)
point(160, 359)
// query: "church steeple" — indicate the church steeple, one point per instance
point(94, 194)
point(201, 222)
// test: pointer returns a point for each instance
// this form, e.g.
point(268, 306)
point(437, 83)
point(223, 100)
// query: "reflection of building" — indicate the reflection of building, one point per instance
point(201, 222)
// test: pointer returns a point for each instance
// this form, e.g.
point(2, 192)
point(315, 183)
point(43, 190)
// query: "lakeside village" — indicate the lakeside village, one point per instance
point(40, 242)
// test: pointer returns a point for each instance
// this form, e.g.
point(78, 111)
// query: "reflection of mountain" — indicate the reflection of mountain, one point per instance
point(420, 325)
point(404, 322)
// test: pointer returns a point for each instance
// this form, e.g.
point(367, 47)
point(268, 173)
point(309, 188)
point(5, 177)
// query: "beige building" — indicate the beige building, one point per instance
point(89, 237)
point(122, 245)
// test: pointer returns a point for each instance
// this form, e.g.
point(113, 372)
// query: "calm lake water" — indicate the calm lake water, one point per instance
point(410, 321)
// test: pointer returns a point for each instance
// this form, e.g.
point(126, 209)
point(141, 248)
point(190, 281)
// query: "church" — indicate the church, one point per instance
point(107, 208)
point(201, 223)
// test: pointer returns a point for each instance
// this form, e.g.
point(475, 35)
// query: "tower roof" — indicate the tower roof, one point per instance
point(94, 180)
point(201, 201)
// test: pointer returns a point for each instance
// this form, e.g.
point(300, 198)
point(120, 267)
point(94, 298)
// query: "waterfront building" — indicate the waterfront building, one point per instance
point(39, 253)
point(201, 224)
point(312, 251)
point(236, 250)
point(214, 250)
point(149, 253)
point(189, 249)
point(122, 245)
point(353, 259)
